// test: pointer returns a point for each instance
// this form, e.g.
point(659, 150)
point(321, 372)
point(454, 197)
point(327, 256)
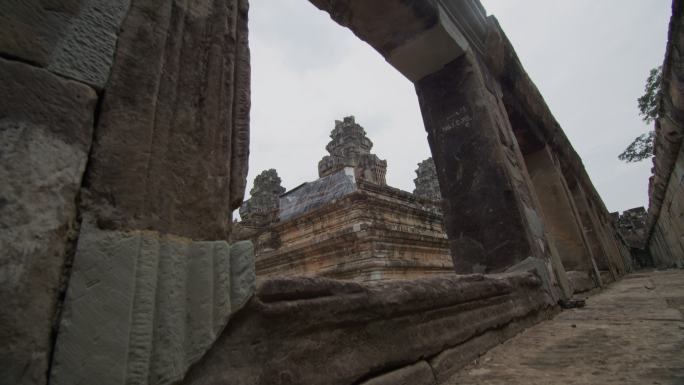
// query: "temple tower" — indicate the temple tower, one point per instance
point(262, 207)
point(350, 147)
point(427, 185)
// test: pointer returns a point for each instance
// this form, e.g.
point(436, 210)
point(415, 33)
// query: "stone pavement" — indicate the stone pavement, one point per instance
point(631, 333)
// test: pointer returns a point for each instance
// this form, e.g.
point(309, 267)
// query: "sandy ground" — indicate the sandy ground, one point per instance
point(630, 333)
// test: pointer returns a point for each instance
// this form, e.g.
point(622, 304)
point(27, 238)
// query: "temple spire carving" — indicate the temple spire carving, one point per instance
point(262, 207)
point(350, 147)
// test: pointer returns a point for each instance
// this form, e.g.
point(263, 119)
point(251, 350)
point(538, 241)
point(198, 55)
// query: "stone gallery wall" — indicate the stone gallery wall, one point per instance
point(320, 331)
point(665, 223)
point(123, 150)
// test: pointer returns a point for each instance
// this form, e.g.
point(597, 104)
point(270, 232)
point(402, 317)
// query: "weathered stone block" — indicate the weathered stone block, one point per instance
point(141, 305)
point(74, 38)
point(555, 284)
point(580, 281)
point(416, 374)
point(319, 331)
point(172, 140)
point(45, 134)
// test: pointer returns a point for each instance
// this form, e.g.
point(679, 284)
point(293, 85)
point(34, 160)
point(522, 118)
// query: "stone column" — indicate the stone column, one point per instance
point(489, 214)
point(559, 211)
point(603, 251)
point(589, 226)
point(154, 280)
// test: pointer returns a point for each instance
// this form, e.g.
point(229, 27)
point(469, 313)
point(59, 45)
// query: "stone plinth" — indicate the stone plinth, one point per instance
point(319, 331)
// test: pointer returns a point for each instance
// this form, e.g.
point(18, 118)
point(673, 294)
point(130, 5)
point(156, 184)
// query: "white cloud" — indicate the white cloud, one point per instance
point(588, 58)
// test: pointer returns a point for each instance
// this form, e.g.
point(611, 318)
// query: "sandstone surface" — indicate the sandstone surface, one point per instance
point(665, 222)
point(74, 38)
point(45, 135)
point(319, 331)
point(142, 307)
point(172, 141)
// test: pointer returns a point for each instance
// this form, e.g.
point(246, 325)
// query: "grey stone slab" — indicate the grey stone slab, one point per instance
point(45, 130)
point(548, 274)
point(243, 276)
point(580, 281)
point(97, 322)
point(74, 38)
point(86, 50)
point(419, 373)
point(142, 307)
point(173, 125)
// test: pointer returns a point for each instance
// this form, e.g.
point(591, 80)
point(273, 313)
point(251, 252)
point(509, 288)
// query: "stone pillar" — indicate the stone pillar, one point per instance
point(592, 232)
point(154, 280)
point(489, 213)
point(560, 214)
point(171, 144)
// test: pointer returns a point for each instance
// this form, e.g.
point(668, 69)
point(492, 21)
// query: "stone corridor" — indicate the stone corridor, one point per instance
point(631, 333)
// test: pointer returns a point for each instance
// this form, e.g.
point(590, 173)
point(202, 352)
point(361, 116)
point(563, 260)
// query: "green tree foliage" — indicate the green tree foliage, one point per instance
point(642, 146)
point(648, 103)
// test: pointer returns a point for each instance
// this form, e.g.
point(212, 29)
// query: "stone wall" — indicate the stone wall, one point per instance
point(665, 223)
point(124, 130)
point(318, 331)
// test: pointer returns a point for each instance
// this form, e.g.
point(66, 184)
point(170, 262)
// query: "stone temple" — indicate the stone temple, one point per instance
point(124, 149)
point(348, 224)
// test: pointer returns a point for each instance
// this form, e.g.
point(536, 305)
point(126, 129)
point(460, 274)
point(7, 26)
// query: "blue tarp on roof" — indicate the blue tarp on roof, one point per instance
point(312, 195)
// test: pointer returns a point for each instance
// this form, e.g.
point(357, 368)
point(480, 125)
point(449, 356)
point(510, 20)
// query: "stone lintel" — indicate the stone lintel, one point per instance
point(142, 306)
point(415, 37)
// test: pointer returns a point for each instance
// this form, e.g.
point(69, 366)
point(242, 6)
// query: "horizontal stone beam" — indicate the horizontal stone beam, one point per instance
point(415, 37)
point(319, 331)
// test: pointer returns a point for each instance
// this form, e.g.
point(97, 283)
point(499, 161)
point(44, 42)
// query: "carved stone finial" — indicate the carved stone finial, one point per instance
point(427, 185)
point(350, 147)
point(263, 205)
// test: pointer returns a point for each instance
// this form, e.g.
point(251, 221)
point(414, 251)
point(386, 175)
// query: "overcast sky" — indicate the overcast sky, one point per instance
point(589, 59)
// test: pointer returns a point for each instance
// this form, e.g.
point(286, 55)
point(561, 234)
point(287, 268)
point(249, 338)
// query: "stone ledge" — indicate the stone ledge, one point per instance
point(321, 331)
